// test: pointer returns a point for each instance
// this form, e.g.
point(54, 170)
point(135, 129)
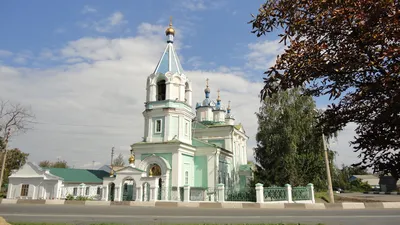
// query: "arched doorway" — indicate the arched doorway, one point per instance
point(146, 192)
point(111, 192)
point(129, 190)
point(154, 170)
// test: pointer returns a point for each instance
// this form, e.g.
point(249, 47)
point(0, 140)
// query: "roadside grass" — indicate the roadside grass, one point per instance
point(323, 196)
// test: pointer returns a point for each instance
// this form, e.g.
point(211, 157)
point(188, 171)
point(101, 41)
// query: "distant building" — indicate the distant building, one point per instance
point(372, 180)
point(34, 182)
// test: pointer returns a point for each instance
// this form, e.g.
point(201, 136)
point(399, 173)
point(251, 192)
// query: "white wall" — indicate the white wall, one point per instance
point(38, 188)
point(81, 190)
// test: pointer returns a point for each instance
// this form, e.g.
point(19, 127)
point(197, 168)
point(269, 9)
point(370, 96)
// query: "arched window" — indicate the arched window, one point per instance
point(161, 90)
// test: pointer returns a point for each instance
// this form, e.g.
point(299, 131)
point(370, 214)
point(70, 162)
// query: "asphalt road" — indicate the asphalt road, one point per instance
point(147, 215)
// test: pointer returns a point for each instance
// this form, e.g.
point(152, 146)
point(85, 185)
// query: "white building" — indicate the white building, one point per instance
point(34, 182)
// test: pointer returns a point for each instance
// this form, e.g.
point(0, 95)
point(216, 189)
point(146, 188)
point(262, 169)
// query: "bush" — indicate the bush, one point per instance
point(69, 197)
point(359, 186)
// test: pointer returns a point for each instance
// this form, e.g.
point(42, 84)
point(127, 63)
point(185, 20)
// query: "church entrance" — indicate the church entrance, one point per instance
point(111, 192)
point(129, 190)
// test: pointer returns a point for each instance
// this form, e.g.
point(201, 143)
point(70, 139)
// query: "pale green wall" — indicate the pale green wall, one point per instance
point(242, 181)
point(188, 165)
point(200, 171)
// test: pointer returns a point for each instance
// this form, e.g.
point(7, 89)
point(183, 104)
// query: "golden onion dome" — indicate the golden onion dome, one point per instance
point(131, 159)
point(170, 29)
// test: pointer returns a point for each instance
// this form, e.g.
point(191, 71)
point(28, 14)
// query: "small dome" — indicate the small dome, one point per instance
point(170, 30)
point(206, 102)
point(207, 90)
point(131, 159)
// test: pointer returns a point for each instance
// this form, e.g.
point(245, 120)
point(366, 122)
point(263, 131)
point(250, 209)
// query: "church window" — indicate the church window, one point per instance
point(161, 90)
point(186, 128)
point(186, 178)
point(24, 190)
point(87, 191)
point(158, 126)
point(75, 191)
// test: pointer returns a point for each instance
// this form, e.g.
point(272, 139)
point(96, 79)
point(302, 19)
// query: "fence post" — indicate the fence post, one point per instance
point(311, 190)
point(186, 193)
point(259, 193)
point(289, 192)
point(221, 192)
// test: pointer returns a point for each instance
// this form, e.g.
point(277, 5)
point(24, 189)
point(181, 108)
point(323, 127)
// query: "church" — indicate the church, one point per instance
point(184, 144)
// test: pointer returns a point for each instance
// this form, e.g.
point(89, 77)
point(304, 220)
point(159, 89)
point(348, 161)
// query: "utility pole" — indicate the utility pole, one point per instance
point(328, 171)
point(112, 168)
point(4, 157)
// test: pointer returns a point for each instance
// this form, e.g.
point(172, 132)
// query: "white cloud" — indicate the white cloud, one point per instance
point(88, 9)
point(263, 54)
point(59, 30)
point(94, 99)
point(109, 24)
point(5, 53)
point(193, 5)
point(198, 5)
point(20, 60)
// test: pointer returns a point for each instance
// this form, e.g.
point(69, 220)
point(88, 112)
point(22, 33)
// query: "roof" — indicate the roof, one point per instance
point(169, 61)
point(79, 175)
point(369, 176)
point(199, 143)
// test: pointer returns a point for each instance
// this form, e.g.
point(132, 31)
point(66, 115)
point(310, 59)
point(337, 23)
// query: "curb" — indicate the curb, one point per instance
point(381, 193)
point(214, 205)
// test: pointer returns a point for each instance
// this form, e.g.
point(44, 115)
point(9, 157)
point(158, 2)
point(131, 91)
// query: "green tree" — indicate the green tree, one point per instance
point(289, 145)
point(341, 176)
point(349, 51)
point(57, 164)
point(15, 159)
point(119, 161)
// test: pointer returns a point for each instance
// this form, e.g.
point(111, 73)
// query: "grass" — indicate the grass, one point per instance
point(322, 195)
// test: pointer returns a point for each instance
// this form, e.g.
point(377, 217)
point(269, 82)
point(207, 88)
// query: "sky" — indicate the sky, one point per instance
point(81, 66)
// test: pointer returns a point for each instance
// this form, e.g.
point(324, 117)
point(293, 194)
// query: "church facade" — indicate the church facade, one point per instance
point(184, 144)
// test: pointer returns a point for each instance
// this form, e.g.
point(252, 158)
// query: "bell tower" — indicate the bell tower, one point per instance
point(168, 111)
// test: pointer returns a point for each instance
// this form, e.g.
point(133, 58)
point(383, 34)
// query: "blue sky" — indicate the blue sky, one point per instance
point(82, 66)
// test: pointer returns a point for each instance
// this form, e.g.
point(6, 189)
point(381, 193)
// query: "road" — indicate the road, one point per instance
point(143, 215)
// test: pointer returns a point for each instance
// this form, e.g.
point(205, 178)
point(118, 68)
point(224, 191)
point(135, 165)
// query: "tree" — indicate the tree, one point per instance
point(341, 177)
point(57, 164)
point(15, 160)
point(348, 50)
point(289, 144)
point(119, 161)
point(14, 119)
